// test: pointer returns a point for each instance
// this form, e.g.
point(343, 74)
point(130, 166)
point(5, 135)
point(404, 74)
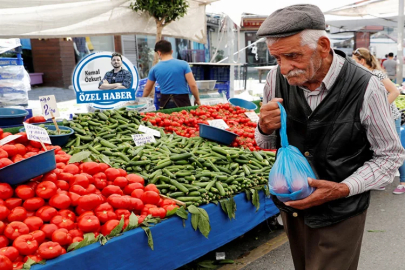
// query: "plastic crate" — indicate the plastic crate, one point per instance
point(219, 73)
point(223, 87)
point(198, 72)
point(11, 61)
point(141, 86)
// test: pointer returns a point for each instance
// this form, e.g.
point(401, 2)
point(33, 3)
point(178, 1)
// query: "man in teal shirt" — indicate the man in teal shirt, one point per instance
point(173, 77)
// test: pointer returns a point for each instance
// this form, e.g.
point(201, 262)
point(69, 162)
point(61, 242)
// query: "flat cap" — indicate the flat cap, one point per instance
point(291, 20)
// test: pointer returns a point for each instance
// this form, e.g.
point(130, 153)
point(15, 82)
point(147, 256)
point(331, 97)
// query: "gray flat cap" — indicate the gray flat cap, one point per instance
point(291, 20)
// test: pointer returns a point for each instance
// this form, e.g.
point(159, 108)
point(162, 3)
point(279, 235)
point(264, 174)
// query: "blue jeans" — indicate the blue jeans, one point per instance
point(401, 133)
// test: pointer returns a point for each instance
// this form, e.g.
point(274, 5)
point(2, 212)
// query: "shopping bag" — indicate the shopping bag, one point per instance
point(288, 177)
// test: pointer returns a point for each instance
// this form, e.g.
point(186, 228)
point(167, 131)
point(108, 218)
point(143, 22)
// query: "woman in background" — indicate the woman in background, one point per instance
point(363, 57)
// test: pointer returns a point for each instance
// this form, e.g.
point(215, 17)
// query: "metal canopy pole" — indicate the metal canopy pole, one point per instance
point(400, 64)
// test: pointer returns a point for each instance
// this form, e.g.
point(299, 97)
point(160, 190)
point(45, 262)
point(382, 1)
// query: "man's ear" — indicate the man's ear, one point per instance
point(324, 46)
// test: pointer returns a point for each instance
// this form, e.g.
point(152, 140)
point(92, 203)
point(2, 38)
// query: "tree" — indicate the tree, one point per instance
point(164, 12)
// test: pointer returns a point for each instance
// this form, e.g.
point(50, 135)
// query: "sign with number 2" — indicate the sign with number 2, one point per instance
point(48, 105)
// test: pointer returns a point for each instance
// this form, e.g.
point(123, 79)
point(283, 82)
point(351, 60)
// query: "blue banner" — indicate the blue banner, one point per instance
point(105, 95)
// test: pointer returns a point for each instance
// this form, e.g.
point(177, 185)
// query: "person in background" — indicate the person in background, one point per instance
point(81, 48)
point(338, 117)
point(390, 66)
point(117, 78)
point(385, 58)
point(363, 57)
point(173, 77)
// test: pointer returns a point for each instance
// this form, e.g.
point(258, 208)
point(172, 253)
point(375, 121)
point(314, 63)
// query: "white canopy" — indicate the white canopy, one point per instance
point(70, 18)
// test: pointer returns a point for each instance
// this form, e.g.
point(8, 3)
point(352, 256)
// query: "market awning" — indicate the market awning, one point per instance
point(70, 18)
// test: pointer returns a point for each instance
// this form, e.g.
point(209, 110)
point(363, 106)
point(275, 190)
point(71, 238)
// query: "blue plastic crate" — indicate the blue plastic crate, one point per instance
point(141, 86)
point(11, 61)
point(223, 87)
point(219, 73)
point(198, 72)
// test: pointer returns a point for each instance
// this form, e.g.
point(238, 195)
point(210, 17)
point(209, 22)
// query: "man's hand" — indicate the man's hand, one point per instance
point(270, 119)
point(325, 191)
point(105, 82)
point(197, 102)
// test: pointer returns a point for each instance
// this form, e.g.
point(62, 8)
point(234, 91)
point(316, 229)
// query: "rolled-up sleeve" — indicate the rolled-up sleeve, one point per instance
point(388, 153)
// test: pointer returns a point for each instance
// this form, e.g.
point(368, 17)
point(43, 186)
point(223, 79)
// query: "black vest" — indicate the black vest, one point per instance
point(331, 137)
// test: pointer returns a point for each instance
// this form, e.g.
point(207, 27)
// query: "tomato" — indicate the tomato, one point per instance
point(24, 192)
point(131, 187)
point(74, 197)
point(77, 239)
point(3, 241)
point(110, 189)
point(17, 158)
point(103, 167)
point(135, 204)
point(89, 202)
point(120, 181)
point(46, 213)
point(10, 149)
point(76, 233)
point(109, 226)
point(48, 229)
point(51, 176)
point(112, 173)
point(122, 213)
point(68, 177)
point(4, 212)
point(78, 190)
point(17, 214)
point(50, 250)
point(46, 189)
point(5, 263)
point(5, 162)
point(118, 202)
point(91, 168)
point(167, 202)
point(12, 203)
point(90, 189)
point(71, 168)
point(137, 193)
point(33, 204)
point(100, 180)
point(60, 201)
point(34, 257)
point(105, 212)
point(15, 229)
point(63, 222)
point(26, 244)
point(150, 197)
point(89, 224)
point(62, 237)
point(5, 191)
point(34, 223)
point(80, 180)
point(68, 214)
point(3, 153)
point(158, 212)
point(152, 187)
point(39, 236)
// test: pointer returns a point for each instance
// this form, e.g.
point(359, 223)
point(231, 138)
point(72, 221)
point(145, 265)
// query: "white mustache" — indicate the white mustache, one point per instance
point(294, 73)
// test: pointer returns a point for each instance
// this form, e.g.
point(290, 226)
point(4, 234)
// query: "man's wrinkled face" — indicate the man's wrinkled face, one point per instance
point(298, 64)
point(116, 62)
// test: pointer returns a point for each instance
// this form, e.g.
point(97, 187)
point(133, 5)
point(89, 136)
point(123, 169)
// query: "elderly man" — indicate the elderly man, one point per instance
point(338, 116)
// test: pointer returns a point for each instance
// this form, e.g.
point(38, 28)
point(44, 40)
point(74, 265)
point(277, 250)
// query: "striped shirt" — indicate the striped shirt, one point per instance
point(375, 116)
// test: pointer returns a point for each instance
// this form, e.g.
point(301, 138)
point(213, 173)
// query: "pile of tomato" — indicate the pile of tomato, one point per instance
point(185, 123)
point(41, 218)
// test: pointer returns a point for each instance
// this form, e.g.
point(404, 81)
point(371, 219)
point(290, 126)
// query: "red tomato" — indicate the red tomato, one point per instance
point(67, 214)
point(120, 181)
point(15, 229)
point(103, 167)
point(62, 237)
point(152, 187)
point(135, 204)
point(91, 168)
point(119, 202)
point(51, 176)
point(78, 190)
point(76, 233)
point(4, 212)
point(60, 201)
point(10, 149)
point(26, 244)
point(48, 229)
point(68, 177)
point(108, 190)
point(50, 250)
point(5, 162)
point(34, 223)
point(134, 178)
point(46, 213)
point(74, 197)
point(46, 189)
point(3, 241)
point(5, 191)
point(89, 224)
point(63, 222)
point(2, 227)
point(131, 187)
point(137, 193)
point(122, 172)
point(17, 214)
point(3, 153)
point(112, 173)
point(71, 168)
point(89, 202)
point(150, 197)
point(77, 239)
point(33, 204)
point(109, 226)
point(9, 252)
point(6, 264)
point(122, 213)
point(35, 257)
point(12, 203)
point(105, 212)
point(21, 149)
point(24, 192)
point(81, 180)
point(100, 180)
point(39, 236)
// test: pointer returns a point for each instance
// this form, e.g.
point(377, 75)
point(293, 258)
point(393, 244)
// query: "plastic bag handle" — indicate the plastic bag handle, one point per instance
point(283, 129)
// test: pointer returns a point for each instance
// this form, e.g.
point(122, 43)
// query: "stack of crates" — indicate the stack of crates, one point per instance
point(158, 94)
point(213, 72)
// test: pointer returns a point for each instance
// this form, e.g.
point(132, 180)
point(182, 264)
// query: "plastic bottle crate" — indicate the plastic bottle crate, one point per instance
point(11, 61)
point(223, 87)
point(219, 73)
point(198, 72)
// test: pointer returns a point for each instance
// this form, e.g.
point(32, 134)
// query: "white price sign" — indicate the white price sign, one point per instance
point(48, 105)
point(141, 139)
point(218, 123)
point(36, 133)
point(252, 116)
point(9, 139)
point(150, 131)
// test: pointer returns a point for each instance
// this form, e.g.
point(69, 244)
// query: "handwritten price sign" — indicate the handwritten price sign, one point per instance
point(48, 105)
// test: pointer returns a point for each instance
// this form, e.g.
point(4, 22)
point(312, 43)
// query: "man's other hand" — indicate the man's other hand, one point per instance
point(270, 119)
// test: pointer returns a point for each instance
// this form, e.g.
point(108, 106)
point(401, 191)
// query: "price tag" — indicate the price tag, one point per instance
point(150, 131)
point(220, 256)
point(252, 116)
point(9, 139)
point(141, 139)
point(218, 123)
point(48, 105)
point(36, 133)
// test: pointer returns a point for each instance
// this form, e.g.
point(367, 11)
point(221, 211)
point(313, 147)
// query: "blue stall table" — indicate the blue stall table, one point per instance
point(174, 245)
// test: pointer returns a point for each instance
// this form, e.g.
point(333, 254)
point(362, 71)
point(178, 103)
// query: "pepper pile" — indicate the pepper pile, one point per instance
point(185, 123)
